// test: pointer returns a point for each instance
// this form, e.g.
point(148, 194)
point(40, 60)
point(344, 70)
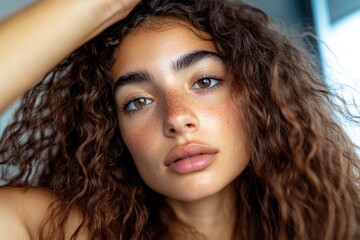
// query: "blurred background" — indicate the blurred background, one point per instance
point(335, 22)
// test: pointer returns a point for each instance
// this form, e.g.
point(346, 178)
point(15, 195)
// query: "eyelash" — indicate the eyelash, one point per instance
point(218, 80)
point(125, 106)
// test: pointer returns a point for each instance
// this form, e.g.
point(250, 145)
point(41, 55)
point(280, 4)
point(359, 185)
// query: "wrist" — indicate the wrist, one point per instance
point(111, 11)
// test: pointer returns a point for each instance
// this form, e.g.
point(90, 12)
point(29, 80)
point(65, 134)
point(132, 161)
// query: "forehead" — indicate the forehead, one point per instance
point(157, 41)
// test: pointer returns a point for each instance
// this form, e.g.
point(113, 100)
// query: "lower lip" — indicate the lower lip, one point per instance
point(192, 164)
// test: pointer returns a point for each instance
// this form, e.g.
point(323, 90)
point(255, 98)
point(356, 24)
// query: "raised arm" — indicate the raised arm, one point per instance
point(34, 40)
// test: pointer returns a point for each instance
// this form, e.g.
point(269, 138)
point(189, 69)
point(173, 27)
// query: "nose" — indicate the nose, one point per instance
point(179, 116)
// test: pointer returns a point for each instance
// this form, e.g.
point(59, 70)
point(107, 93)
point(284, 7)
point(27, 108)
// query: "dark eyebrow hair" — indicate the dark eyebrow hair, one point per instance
point(192, 58)
point(183, 62)
point(131, 78)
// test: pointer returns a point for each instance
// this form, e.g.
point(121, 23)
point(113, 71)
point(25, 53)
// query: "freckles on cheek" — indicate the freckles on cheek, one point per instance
point(137, 138)
point(222, 114)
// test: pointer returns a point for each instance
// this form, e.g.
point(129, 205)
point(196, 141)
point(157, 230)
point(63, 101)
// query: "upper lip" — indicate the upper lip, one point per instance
point(186, 151)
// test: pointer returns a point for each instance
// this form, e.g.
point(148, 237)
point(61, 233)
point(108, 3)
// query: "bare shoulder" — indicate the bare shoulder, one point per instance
point(22, 212)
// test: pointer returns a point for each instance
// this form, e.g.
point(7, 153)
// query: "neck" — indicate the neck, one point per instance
point(213, 217)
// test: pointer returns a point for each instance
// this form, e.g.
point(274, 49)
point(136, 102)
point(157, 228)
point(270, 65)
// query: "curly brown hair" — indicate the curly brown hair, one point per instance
point(302, 181)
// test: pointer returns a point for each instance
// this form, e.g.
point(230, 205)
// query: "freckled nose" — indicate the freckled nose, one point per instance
point(179, 117)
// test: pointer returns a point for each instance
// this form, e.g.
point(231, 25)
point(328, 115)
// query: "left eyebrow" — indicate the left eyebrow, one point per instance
point(189, 59)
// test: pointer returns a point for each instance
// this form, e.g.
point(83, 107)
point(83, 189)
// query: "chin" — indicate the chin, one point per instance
point(197, 193)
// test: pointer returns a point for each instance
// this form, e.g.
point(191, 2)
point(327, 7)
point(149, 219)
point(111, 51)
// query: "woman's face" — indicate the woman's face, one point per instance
point(176, 112)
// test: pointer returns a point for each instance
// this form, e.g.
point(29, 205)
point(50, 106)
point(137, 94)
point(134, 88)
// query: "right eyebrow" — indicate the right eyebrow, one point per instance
point(132, 78)
point(192, 58)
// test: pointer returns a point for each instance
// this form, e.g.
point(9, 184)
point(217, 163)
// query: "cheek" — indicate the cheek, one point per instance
point(223, 116)
point(135, 137)
point(138, 137)
point(143, 144)
point(230, 124)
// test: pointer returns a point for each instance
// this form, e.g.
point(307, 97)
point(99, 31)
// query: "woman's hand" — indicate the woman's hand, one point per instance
point(34, 40)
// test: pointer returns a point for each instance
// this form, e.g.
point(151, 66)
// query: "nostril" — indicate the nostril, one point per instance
point(180, 123)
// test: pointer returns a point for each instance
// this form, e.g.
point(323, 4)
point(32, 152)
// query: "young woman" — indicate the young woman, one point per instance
point(185, 120)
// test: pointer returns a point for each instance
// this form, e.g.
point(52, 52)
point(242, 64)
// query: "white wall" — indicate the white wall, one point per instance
point(340, 52)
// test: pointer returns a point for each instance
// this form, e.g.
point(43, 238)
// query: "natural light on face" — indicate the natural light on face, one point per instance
point(176, 112)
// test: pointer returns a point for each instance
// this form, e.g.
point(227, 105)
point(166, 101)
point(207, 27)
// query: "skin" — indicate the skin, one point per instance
point(178, 109)
point(23, 210)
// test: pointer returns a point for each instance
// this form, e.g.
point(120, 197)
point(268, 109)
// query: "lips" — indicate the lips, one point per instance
point(191, 157)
